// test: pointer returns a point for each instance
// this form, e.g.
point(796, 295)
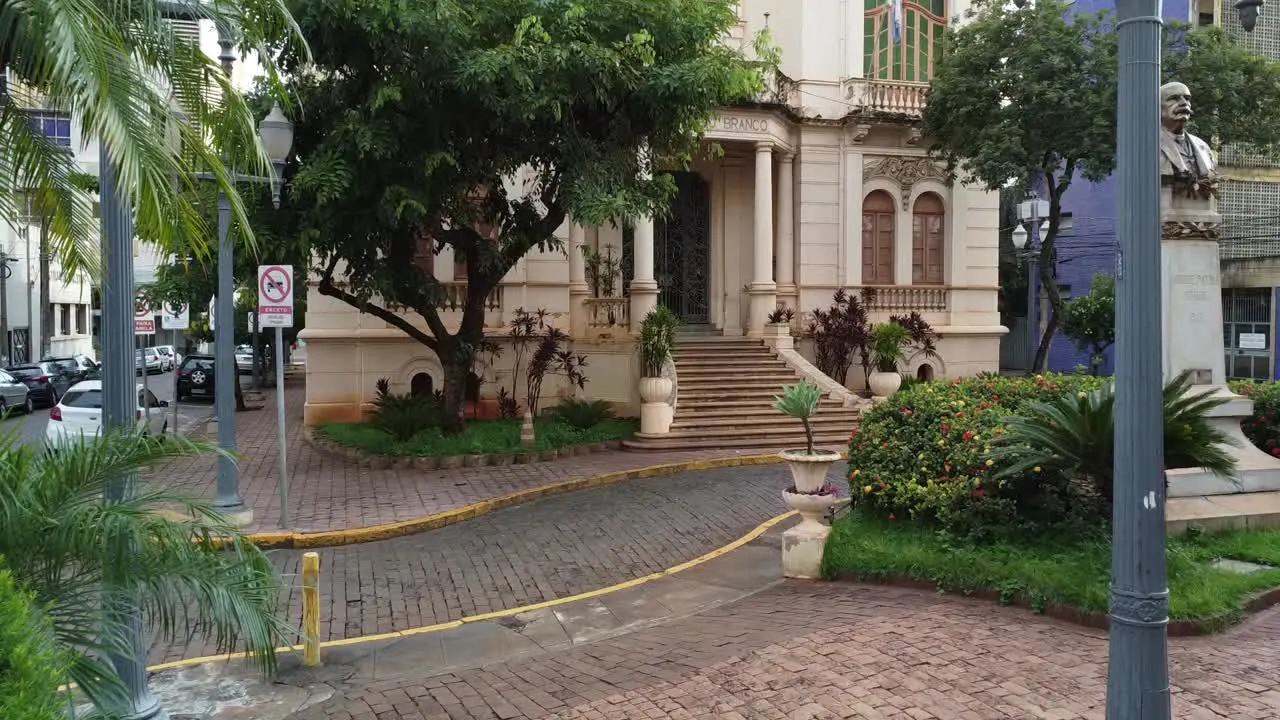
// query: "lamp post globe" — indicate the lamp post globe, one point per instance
point(276, 133)
point(1019, 237)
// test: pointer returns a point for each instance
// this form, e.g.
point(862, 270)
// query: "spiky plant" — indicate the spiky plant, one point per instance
point(800, 401)
point(1076, 434)
point(82, 558)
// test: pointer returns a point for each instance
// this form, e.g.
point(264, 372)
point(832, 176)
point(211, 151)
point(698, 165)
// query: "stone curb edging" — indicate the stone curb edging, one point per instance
point(448, 462)
point(332, 538)
point(1088, 618)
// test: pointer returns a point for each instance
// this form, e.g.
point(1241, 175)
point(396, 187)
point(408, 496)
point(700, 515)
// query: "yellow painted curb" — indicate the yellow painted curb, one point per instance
point(331, 538)
point(759, 530)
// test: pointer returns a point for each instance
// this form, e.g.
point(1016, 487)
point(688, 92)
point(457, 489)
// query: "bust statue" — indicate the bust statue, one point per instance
point(1183, 156)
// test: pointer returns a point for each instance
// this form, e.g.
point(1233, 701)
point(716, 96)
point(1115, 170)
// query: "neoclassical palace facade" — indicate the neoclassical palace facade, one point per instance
point(824, 184)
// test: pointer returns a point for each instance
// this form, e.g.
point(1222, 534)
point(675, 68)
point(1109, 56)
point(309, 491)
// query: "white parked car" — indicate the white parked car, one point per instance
point(170, 358)
point(79, 414)
point(244, 359)
point(154, 361)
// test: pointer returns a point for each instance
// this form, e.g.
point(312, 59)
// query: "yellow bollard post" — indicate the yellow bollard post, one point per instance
point(311, 609)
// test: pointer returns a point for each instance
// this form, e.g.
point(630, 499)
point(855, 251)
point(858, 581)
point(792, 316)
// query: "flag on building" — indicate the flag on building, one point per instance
point(895, 20)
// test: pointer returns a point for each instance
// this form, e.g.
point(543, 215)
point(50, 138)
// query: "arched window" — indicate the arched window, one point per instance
point(928, 236)
point(877, 238)
point(911, 55)
point(421, 385)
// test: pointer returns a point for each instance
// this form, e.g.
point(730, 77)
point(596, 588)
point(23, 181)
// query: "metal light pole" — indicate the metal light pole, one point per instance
point(1138, 671)
point(119, 398)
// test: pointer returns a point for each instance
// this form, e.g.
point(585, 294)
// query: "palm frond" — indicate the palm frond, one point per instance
point(82, 556)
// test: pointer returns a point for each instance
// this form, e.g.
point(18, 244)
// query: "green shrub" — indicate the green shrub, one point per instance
point(1075, 435)
point(928, 453)
point(30, 672)
point(1263, 428)
point(403, 416)
point(581, 414)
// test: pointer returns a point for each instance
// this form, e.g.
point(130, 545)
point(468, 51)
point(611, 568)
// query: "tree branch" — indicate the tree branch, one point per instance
point(329, 289)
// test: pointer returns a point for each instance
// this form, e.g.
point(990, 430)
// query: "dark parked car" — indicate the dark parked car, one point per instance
point(45, 381)
point(195, 377)
point(78, 368)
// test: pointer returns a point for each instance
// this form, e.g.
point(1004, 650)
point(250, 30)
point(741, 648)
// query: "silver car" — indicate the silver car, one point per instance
point(14, 395)
point(244, 359)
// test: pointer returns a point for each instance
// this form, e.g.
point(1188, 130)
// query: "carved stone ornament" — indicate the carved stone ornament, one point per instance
point(1199, 187)
point(1189, 230)
point(913, 137)
point(906, 171)
point(859, 133)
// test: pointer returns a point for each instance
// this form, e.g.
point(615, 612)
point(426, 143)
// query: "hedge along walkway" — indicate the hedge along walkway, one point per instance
point(351, 503)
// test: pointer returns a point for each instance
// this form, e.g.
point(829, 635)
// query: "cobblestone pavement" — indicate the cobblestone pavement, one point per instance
point(549, 549)
point(330, 494)
point(815, 651)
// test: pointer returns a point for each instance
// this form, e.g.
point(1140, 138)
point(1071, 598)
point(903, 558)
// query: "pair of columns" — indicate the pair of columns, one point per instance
point(764, 291)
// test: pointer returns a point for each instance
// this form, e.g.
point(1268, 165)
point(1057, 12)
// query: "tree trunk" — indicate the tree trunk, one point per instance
point(46, 313)
point(240, 406)
point(453, 413)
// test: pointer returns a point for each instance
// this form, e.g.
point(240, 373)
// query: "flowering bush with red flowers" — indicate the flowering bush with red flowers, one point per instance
point(1263, 427)
point(927, 454)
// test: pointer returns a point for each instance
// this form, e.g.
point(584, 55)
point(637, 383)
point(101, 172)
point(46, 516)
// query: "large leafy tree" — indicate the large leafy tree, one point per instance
point(125, 77)
point(1028, 96)
point(481, 127)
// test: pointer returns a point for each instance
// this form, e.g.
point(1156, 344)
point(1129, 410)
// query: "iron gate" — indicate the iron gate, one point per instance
point(1246, 332)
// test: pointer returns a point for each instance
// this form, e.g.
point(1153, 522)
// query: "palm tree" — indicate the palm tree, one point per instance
point(119, 71)
point(1075, 434)
point(176, 559)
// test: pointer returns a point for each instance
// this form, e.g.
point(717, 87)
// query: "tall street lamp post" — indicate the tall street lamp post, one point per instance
point(276, 133)
point(1138, 671)
point(119, 399)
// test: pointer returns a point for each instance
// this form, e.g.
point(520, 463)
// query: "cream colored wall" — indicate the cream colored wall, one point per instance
point(821, 43)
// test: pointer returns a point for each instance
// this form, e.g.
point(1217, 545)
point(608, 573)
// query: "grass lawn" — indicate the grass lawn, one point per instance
point(1072, 575)
point(482, 437)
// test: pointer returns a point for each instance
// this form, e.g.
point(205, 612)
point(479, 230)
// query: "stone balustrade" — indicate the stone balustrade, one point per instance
point(906, 298)
point(892, 97)
point(610, 312)
point(454, 298)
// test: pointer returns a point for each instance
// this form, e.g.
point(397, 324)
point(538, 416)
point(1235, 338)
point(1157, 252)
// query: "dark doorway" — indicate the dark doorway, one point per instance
point(681, 250)
point(421, 385)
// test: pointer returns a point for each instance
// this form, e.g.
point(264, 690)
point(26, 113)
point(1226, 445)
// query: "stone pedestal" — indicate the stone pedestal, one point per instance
point(1192, 329)
point(802, 545)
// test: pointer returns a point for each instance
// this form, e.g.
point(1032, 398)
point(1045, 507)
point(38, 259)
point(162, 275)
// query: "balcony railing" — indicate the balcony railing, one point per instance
point(905, 298)
point(892, 97)
point(455, 295)
point(603, 313)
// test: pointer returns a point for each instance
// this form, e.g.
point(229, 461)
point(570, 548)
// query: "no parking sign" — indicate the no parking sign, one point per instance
point(275, 296)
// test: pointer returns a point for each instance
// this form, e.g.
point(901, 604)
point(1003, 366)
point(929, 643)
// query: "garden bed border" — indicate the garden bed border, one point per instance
point(373, 461)
point(1087, 618)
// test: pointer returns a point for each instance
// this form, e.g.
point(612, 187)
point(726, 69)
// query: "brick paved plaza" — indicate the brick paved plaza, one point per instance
point(331, 494)
point(754, 647)
point(803, 650)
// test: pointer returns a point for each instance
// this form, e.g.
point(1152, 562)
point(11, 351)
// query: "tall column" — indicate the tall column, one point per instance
point(763, 290)
point(786, 230)
point(644, 288)
point(578, 290)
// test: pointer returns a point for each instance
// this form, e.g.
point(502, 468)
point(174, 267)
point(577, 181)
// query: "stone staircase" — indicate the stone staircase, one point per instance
point(725, 392)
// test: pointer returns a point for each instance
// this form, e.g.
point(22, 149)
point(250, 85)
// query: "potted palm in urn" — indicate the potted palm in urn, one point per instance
point(888, 346)
point(810, 494)
point(657, 339)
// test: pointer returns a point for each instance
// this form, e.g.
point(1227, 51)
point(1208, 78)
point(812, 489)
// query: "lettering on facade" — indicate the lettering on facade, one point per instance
point(732, 123)
point(1195, 289)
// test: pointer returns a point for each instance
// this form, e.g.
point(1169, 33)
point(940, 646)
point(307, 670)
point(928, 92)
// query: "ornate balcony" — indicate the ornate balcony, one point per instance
point(886, 97)
point(906, 298)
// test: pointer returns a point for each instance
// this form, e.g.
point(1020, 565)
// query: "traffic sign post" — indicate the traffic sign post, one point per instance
point(275, 309)
point(144, 319)
point(275, 296)
point(175, 317)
